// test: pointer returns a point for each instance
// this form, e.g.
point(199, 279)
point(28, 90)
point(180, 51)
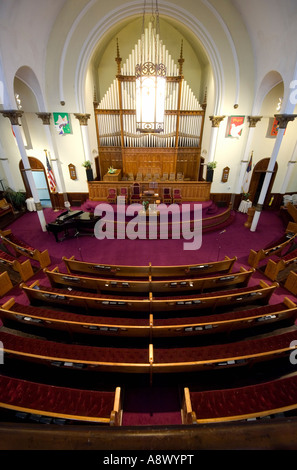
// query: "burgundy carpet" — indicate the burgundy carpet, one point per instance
point(156, 405)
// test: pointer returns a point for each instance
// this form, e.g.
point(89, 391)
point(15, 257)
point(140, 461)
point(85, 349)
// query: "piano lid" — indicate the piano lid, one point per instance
point(65, 216)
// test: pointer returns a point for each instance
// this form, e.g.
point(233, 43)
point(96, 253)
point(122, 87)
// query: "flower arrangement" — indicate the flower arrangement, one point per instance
point(111, 170)
point(211, 165)
point(245, 196)
point(87, 164)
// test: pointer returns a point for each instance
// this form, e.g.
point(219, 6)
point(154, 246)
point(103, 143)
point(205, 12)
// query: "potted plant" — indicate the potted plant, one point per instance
point(16, 198)
point(210, 169)
point(89, 171)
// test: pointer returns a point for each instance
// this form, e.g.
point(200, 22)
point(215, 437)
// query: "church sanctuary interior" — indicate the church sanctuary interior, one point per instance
point(148, 225)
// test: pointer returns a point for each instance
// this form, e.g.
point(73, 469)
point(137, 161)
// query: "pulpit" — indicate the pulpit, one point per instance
point(115, 176)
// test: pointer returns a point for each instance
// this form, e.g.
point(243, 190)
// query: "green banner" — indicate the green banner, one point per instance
point(62, 123)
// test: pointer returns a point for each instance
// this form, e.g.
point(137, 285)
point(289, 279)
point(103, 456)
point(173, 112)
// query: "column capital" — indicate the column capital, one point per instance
point(283, 119)
point(83, 118)
point(253, 120)
point(45, 117)
point(216, 120)
point(13, 115)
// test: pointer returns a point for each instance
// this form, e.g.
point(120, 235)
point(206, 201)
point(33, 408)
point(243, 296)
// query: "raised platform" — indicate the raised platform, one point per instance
point(191, 191)
point(211, 216)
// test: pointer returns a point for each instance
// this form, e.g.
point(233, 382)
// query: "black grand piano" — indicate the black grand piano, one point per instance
point(73, 224)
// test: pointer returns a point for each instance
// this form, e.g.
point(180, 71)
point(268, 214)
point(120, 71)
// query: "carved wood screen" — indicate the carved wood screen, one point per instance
point(175, 150)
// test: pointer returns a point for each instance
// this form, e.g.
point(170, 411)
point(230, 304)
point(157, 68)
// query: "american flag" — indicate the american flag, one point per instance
point(51, 177)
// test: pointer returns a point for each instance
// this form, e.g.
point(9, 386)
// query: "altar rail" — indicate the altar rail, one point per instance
point(190, 190)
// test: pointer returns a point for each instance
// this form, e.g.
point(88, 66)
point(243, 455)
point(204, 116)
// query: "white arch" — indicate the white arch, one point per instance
point(27, 76)
point(271, 79)
point(132, 9)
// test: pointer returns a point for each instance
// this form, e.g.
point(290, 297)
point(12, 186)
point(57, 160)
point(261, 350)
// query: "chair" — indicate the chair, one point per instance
point(130, 177)
point(164, 177)
point(148, 177)
point(124, 192)
point(172, 177)
point(112, 196)
point(5, 207)
point(167, 199)
point(135, 193)
point(139, 176)
point(179, 176)
point(177, 196)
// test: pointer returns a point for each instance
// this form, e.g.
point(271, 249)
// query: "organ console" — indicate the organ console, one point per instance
point(80, 222)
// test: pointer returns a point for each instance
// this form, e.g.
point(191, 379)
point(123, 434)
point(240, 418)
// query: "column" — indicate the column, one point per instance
point(14, 116)
point(289, 170)
point(283, 120)
point(253, 120)
point(216, 121)
point(83, 120)
point(45, 117)
point(7, 172)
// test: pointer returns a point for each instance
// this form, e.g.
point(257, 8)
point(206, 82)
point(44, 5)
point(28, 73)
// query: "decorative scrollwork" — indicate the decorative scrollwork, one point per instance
point(150, 69)
point(151, 127)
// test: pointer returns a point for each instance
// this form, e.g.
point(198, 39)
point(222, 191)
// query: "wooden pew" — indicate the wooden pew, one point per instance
point(213, 301)
point(291, 283)
point(125, 286)
point(292, 210)
point(61, 403)
point(5, 283)
point(73, 323)
point(75, 266)
point(85, 300)
point(149, 304)
point(277, 249)
point(222, 356)
point(278, 270)
point(24, 249)
point(75, 356)
point(148, 360)
point(240, 404)
point(224, 322)
point(24, 269)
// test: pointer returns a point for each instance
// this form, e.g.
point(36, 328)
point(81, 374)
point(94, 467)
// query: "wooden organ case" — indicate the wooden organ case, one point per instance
point(174, 151)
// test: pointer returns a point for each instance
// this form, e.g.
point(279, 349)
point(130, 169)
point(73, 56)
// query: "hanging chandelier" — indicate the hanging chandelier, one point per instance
point(150, 80)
